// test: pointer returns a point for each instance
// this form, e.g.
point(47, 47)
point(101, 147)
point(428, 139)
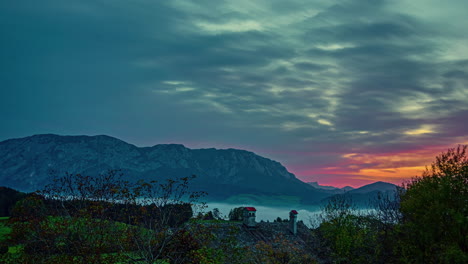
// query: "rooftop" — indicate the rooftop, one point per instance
point(252, 209)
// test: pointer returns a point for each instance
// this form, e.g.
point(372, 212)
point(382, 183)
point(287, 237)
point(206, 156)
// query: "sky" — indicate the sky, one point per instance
point(343, 92)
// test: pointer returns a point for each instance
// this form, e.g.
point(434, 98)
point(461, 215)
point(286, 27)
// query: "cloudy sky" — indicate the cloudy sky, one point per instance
point(343, 92)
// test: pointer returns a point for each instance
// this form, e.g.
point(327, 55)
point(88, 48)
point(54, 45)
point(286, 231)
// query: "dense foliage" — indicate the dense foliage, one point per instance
point(8, 198)
point(236, 214)
point(425, 222)
point(84, 219)
point(435, 211)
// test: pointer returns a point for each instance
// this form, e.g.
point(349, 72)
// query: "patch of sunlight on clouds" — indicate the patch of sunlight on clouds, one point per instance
point(457, 51)
point(424, 129)
point(324, 122)
point(184, 89)
point(289, 126)
point(335, 46)
point(284, 63)
point(256, 110)
point(233, 26)
point(175, 82)
point(210, 95)
point(276, 90)
point(402, 172)
point(414, 106)
point(411, 108)
point(461, 92)
point(175, 87)
point(220, 107)
point(349, 155)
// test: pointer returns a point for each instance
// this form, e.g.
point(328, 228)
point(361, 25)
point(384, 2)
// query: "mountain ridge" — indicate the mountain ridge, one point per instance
point(26, 164)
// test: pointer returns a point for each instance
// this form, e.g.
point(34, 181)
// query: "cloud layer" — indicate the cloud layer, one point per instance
point(342, 91)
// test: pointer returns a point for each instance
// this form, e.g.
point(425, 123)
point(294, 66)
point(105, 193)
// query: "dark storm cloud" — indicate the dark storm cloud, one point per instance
point(299, 76)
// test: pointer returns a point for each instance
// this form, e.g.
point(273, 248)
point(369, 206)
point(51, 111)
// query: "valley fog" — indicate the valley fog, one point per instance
point(310, 216)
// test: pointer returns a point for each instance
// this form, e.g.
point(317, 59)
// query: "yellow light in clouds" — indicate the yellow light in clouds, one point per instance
point(425, 129)
point(233, 26)
point(336, 46)
point(349, 155)
point(401, 172)
point(324, 122)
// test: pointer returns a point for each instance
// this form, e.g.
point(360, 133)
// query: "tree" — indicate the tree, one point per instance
point(8, 198)
point(388, 217)
point(346, 236)
point(435, 211)
point(236, 214)
point(82, 218)
point(217, 214)
point(279, 251)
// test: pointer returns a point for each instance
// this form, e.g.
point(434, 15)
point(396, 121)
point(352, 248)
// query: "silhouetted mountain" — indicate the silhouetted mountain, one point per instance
point(376, 186)
point(331, 189)
point(324, 187)
point(347, 188)
point(27, 163)
point(367, 194)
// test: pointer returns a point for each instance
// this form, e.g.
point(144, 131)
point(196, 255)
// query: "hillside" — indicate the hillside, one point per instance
point(28, 164)
point(366, 195)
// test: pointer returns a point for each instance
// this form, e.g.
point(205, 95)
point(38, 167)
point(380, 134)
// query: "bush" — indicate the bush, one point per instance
point(435, 212)
point(102, 218)
point(3, 249)
point(8, 198)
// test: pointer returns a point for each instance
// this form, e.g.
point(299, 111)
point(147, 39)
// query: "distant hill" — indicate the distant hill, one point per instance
point(376, 186)
point(330, 188)
point(367, 194)
point(27, 163)
point(347, 188)
point(323, 187)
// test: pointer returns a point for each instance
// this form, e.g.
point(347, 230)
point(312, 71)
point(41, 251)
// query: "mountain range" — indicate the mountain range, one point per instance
point(29, 163)
point(330, 188)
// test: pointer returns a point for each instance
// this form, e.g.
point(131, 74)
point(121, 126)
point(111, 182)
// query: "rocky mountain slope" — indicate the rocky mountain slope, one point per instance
point(29, 163)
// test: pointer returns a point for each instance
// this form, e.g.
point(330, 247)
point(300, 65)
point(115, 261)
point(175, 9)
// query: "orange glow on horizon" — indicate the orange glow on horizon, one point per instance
point(358, 169)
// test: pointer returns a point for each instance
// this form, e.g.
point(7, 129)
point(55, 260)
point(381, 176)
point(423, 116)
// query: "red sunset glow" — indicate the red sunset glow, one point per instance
point(357, 169)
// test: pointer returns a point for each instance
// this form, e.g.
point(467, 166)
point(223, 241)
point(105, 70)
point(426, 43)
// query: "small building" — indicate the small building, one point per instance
point(293, 221)
point(249, 216)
